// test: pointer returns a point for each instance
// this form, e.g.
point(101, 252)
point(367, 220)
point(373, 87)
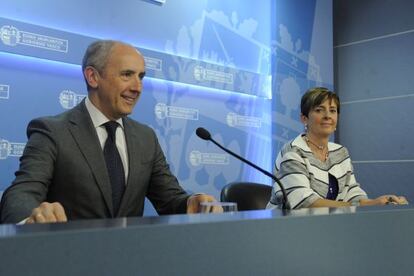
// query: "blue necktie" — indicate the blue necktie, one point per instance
point(114, 165)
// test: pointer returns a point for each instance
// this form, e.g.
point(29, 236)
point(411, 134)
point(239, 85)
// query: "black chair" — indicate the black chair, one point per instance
point(247, 195)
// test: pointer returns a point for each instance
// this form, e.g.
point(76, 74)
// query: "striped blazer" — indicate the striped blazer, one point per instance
point(306, 178)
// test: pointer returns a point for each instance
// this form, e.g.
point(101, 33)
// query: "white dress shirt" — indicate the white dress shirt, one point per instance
point(98, 119)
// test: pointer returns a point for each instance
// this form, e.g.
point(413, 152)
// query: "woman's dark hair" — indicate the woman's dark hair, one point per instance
point(314, 97)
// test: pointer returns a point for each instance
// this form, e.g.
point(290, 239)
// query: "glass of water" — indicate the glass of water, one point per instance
point(217, 207)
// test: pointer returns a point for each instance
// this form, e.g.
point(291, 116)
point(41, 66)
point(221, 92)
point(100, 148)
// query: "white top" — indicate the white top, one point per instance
point(306, 178)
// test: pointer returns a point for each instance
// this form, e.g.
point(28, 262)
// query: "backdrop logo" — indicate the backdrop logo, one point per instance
point(163, 111)
point(208, 158)
point(11, 36)
point(69, 99)
point(202, 74)
point(234, 120)
point(153, 63)
point(4, 91)
point(10, 149)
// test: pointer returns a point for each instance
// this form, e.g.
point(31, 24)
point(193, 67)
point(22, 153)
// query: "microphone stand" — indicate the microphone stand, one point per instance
point(285, 201)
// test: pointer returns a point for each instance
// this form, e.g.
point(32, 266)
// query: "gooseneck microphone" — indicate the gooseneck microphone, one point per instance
point(205, 135)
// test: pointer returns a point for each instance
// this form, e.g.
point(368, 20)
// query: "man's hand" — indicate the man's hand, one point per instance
point(193, 202)
point(48, 212)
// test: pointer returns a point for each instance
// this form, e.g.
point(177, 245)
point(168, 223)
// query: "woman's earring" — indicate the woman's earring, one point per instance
point(306, 127)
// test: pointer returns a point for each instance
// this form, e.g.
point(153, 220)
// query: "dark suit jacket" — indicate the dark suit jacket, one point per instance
point(63, 161)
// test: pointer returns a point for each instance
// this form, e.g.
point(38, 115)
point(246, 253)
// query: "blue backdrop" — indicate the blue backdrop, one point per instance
point(237, 68)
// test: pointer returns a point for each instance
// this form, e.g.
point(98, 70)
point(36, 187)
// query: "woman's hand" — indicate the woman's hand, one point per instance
point(384, 200)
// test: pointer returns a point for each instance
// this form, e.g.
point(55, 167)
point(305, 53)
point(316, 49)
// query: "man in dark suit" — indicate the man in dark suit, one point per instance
point(64, 172)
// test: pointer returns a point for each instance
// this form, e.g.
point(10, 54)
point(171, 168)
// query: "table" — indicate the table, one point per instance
point(320, 241)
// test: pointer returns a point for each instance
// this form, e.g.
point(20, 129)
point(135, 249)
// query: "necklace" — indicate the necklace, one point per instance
point(319, 147)
point(316, 145)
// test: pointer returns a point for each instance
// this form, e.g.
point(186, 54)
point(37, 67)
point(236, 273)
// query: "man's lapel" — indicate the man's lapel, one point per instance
point(134, 154)
point(83, 131)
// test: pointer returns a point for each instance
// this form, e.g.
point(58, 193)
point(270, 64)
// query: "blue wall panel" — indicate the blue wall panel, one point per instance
point(357, 20)
point(376, 69)
point(373, 75)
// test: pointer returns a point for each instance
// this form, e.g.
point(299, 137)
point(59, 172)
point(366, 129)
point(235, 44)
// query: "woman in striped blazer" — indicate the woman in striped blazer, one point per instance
point(314, 171)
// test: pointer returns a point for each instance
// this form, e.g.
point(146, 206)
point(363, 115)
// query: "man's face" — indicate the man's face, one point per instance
point(120, 84)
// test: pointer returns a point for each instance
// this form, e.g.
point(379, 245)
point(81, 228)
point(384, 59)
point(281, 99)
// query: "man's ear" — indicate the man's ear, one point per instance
point(91, 76)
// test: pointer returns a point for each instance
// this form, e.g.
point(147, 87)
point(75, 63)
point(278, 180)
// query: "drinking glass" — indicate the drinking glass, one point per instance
point(217, 207)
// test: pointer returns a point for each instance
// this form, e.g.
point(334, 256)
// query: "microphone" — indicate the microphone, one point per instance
point(205, 135)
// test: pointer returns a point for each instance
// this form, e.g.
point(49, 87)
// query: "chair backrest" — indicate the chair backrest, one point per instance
point(247, 195)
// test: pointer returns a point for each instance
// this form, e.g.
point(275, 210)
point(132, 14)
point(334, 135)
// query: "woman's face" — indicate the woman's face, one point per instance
point(322, 119)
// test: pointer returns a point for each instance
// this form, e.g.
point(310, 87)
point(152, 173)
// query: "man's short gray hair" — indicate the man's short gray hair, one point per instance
point(97, 54)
